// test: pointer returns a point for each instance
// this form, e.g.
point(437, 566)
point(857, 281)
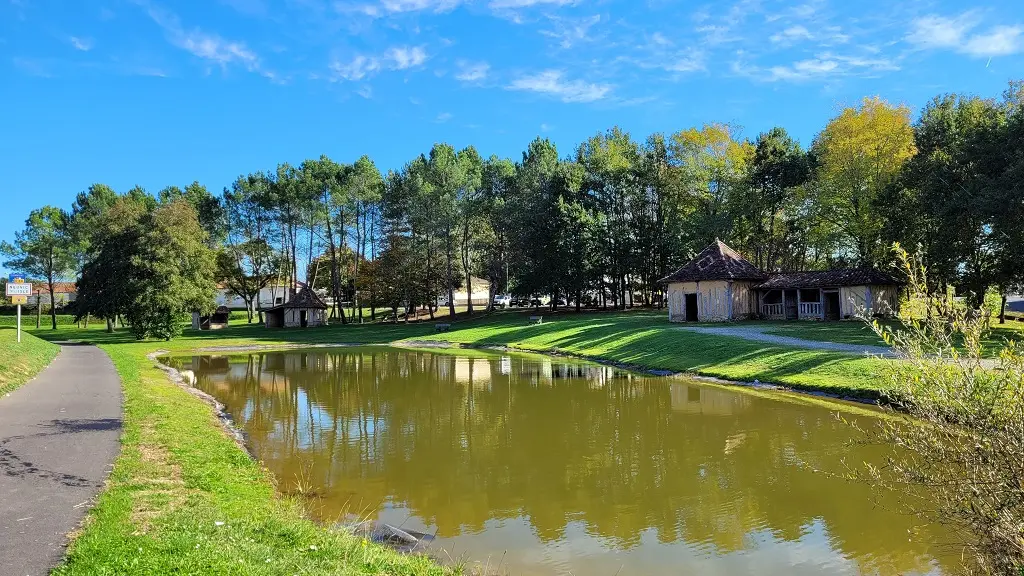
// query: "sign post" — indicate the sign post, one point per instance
point(19, 291)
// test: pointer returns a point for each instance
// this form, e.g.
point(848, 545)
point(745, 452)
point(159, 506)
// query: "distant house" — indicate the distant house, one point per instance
point(480, 294)
point(64, 293)
point(269, 296)
point(721, 285)
point(305, 309)
point(215, 321)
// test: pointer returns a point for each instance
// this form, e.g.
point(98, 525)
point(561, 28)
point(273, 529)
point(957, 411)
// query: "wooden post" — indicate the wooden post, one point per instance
point(798, 304)
point(39, 307)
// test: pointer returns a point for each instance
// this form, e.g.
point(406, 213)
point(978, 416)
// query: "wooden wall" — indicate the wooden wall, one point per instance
point(717, 300)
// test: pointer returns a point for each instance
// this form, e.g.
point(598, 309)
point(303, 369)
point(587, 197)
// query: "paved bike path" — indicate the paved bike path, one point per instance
point(59, 435)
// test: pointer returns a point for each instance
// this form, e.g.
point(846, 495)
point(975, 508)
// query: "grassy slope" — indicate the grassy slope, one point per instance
point(858, 333)
point(21, 362)
point(177, 477)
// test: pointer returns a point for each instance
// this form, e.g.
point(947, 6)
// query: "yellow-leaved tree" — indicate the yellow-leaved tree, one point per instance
point(858, 154)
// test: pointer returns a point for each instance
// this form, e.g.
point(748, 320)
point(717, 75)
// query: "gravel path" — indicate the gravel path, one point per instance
point(758, 334)
point(59, 435)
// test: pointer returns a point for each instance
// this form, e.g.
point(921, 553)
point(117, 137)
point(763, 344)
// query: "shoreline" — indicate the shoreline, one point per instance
point(868, 399)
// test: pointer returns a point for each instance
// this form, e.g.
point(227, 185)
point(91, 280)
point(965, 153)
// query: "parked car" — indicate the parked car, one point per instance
point(502, 301)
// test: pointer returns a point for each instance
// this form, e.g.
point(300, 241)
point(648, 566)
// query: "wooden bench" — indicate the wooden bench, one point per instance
point(442, 327)
point(536, 319)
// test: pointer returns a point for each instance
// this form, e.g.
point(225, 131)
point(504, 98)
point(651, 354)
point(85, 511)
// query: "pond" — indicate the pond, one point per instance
point(544, 466)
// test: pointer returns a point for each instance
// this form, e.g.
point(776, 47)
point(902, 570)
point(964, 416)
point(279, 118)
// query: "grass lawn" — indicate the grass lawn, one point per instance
point(179, 477)
point(20, 362)
point(855, 332)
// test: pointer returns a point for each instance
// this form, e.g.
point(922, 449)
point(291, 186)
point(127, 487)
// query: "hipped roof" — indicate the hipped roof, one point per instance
point(306, 298)
point(716, 262)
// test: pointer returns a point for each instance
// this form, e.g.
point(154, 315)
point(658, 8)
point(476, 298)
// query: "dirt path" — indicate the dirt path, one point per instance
point(59, 435)
point(758, 334)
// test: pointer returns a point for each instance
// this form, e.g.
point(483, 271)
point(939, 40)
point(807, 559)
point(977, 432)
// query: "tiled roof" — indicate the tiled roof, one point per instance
point(58, 287)
point(828, 278)
point(306, 298)
point(716, 262)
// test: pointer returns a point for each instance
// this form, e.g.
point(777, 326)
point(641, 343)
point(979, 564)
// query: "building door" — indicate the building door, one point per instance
point(832, 308)
point(792, 305)
point(303, 319)
point(691, 307)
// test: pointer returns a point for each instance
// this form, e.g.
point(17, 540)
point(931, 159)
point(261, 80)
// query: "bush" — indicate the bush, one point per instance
point(959, 437)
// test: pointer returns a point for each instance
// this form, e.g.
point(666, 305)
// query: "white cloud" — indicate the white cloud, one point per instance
point(792, 34)
point(571, 31)
point(202, 44)
point(365, 92)
point(356, 69)
point(553, 83)
point(472, 72)
point(545, 128)
point(957, 34)
point(512, 4)
point(83, 44)
point(382, 7)
point(824, 66)
point(403, 57)
point(443, 117)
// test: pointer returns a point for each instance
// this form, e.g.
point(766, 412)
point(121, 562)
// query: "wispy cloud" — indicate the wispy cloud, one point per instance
point(403, 57)
point(356, 69)
point(362, 66)
point(443, 117)
point(571, 31)
point(83, 44)
point(512, 4)
point(554, 83)
point(365, 92)
point(792, 34)
point(204, 45)
point(959, 33)
point(824, 66)
point(383, 7)
point(472, 71)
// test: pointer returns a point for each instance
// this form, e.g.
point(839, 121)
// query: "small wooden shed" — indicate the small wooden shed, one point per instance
point(215, 321)
point(717, 285)
point(304, 310)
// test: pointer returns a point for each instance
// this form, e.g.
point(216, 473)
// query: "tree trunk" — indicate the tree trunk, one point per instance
point(449, 272)
point(53, 309)
point(335, 276)
point(39, 308)
point(1002, 310)
point(110, 325)
point(466, 267)
point(579, 299)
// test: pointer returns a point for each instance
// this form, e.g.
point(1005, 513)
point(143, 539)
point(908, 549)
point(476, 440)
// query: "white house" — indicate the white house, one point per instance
point(270, 296)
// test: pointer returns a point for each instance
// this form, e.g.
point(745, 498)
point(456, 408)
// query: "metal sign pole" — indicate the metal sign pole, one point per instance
point(19, 322)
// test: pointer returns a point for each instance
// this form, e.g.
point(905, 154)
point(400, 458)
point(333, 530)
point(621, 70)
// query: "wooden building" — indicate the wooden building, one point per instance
point(720, 285)
point(717, 285)
point(303, 310)
point(215, 321)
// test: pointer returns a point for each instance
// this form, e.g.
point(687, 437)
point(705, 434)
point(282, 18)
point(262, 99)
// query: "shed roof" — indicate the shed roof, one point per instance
point(716, 262)
point(828, 278)
point(306, 298)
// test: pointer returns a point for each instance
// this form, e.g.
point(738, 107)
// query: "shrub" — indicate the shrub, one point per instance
point(959, 436)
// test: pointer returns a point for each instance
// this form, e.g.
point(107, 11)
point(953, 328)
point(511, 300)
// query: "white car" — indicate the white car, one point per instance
point(502, 300)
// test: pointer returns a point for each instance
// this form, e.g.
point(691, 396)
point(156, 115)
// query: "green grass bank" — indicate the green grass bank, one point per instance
point(20, 362)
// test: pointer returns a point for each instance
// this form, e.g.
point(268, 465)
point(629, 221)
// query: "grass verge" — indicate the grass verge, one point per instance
point(20, 362)
point(184, 499)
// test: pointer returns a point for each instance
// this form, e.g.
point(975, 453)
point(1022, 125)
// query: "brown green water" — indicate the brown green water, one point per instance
point(541, 466)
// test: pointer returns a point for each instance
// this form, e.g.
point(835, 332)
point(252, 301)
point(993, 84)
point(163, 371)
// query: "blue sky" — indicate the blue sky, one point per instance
point(154, 92)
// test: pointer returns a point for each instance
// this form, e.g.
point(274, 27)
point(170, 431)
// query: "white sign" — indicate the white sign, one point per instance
point(19, 289)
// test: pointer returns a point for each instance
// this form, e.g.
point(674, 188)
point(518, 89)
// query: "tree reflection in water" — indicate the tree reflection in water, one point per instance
point(568, 466)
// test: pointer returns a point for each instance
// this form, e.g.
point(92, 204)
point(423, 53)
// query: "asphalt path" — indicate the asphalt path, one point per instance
point(59, 435)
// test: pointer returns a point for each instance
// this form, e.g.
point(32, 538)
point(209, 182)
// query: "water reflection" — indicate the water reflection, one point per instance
point(566, 466)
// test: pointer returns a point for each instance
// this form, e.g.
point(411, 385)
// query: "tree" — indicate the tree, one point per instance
point(151, 266)
point(44, 249)
point(778, 167)
point(859, 154)
point(207, 206)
